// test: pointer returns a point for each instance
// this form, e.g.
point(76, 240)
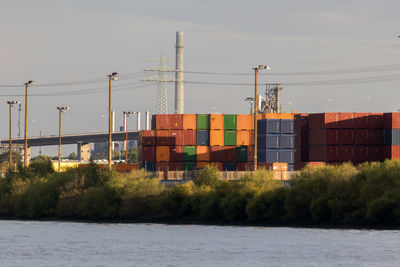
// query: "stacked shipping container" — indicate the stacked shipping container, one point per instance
point(391, 124)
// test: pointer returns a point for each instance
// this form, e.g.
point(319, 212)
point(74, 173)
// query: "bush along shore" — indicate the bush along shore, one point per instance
point(328, 196)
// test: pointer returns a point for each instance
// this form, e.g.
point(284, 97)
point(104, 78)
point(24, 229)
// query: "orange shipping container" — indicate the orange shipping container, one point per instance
point(287, 116)
point(162, 153)
point(189, 121)
point(201, 164)
point(216, 121)
point(203, 153)
point(243, 138)
point(216, 137)
point(245, 122)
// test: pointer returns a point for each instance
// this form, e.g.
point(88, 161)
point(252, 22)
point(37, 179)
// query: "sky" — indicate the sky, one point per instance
point(329, 56)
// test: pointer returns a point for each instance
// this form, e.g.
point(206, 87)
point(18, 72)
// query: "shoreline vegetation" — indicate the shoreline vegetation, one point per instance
point(366, 196)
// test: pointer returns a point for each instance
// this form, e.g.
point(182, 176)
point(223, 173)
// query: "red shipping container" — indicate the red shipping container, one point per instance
point(361, 136)
point(347, 136)
point(160, 122)
point(324, 120)
point(176, 121)
point(375, 153)
point(375, 137)
point(162, 166)
point(148, 153)
point(176, 137)
point(245, 166)
point(147, 138)
point(392, 152)
point(323, 153)
point(347, 120)
point(175, 166)
point(189, 137)
point(297, 153)
point(391, 120)
point(360, 153)
point(162, 138)
point(229, 154)
point(217, 153)
point(176, 153)
point(375, 120)
point(345, 153)
point(323, 137)
point(300, 120)
point(361, 120)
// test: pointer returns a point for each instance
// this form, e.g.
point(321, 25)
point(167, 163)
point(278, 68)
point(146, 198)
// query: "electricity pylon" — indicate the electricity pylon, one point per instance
point(271, 103)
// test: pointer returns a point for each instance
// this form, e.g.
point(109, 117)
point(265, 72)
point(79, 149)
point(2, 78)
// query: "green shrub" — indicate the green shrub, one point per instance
point(100, 202)
point(208, 176)
point(267, 207)
point(42, 166)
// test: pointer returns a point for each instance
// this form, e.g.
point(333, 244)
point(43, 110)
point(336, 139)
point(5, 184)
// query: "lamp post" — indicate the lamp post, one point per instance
point(126, 115)
point(112, 76)
point(260, 67)
point(61, 110)
point(26, 123)
point(11, 105)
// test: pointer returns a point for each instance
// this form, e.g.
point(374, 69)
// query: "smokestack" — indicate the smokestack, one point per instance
point(147, 120)
point(138, 120)
point(179, 106)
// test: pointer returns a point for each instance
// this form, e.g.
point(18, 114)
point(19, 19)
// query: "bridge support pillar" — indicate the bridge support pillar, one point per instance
point(83, 151)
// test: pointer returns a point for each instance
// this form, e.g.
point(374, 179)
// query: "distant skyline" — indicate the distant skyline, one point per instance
point(355, 42)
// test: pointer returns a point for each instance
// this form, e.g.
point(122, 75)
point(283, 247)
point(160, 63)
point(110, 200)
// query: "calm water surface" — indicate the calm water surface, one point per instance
point(31, 243)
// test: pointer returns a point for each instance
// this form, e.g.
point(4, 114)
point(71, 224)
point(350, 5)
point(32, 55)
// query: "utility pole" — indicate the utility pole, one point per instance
point(19, 120)
point(11, 105)
point(26, 124)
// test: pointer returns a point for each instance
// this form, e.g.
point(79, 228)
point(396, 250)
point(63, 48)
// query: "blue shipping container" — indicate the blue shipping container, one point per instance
point(150, 166)
point(286, 155)
point(261, 156)
point(261, 142)
point(273, 126)
point(287, 126)
point(261, 127)
point(229, 166)
point(272, 155)
point(287, 141)
point(203, 138)
point(272, 141)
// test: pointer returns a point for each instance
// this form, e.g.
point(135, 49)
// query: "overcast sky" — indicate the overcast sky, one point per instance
point(351, 46)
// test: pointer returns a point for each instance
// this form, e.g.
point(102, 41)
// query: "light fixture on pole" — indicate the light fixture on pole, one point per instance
point(260, 67)
point(111, 77)
point(11, 105)
point(61, 110)
point(251, 101)
point(26, 123)
point(126, 115)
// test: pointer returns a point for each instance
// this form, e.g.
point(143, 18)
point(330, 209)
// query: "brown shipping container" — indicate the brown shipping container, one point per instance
point(229, 154)
point(346, 153)
point(160, 122)
point(251, 142)
point(375, 120)
point(245, 122)
point(391, 120)
point(176, 153)
point(162, 153)
point(216, 121)
point(361, 136)
point(323, 120)
point(245, 166)
point(361, 120)
point(200, 164)
point(250, 153)
point(203, 153)
point(360, 153)
point(347, 120)
point(216, 138)
point(217, 153)
point(147, 138)
point(148, 153)
point(162, 138)
point(375, 137)
point(189, 137)
point(323, 137)
point(162, 166)
point(175, 166)
point(189, 122)
point(375, 153)
point(176, 137)
point(324, 153)
point(346, 136)
point(217, 165)
point(176, 121)
point(243, 138)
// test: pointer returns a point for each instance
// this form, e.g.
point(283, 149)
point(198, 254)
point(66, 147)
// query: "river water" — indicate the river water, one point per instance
point(34, 243)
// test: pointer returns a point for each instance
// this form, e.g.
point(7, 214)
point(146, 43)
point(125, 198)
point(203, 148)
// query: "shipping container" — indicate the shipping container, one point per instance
point(216, 121)
point(175, 166)
point(162, 166)
point(347, 136)
point(188, 166)
point(245, 122)
point(217, 153)
point(286, 116)
point(375, 136)
point(286, 141)
point(261, 127)
point(361, 120)
point(273, 166)
point(251, 138)
point(269, 155)
point(392, 152)
point(273, 126)
point(250, 155)
point(268, 141)
point(324, 120)
point(375, 120)
point(323, 137)
point(229, 166)
point(189, 121)
point(245, 166)
point(160, 122)
point(147, 138)
point(203, 153)
point(201, 164)
point(323, 153)
point(150, 166)
point(346, 120)
point(203, 121)
point(287, 127)
point(176, 153)
point(162, 153)
point(360, 153)
point(176, 138)
point(346, 153)
point(216, 137)
point(229, 153)
point(243, 138)
point(286, 155)
point(229, 138)
point(375, 153)
point(229, 122)
point(391, 120)
point(148, 153)
point(162, 138)
point(189, 153)
point(176, 121)
point(392, 137)
point(361, 136)
point(203, 138)
point(189, 137)
point(241, 153)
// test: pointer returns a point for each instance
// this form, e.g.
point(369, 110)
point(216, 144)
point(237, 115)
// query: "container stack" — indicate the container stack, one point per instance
point(301, 137)
point(275, 139)
point(391, 123)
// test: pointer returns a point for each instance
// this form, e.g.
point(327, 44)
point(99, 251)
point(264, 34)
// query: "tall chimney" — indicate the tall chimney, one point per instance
point(147, 120)
point(179, 101)
point(138, 121)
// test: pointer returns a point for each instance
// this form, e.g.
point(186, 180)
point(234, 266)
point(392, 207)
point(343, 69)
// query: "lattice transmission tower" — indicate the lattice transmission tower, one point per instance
point(271, 103)
point(162, 79)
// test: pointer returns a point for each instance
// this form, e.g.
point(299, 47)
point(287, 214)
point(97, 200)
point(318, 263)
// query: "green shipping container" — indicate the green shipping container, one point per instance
point(229, 138)
point(188, 166)
point(203, 121)
point(230, 122)
point(189, 153)
point(241, 153)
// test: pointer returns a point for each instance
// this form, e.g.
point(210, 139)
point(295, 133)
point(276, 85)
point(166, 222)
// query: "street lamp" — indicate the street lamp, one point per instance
point(251, 101)
point(11, 105)
point(112, 76)
point(260, 67)
point(26, 123)
point(61, 110)
point(126, 115)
